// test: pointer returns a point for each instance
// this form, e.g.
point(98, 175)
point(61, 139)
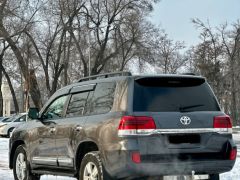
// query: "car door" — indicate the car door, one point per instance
point(72, 125)
point(44, 152)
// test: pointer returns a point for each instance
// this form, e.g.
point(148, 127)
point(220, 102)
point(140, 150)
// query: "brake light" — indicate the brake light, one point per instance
point(233, 154)
point(222, 122)
point(136, 125)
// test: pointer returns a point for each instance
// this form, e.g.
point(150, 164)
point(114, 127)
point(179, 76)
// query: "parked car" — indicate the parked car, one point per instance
point(10, 124)
point(3, 118)
point(117, 126)
point(5, 121)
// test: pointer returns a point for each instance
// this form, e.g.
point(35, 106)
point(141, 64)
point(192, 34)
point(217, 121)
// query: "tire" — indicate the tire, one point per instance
point(214, 177)
point(91, 166)
point(21, 168)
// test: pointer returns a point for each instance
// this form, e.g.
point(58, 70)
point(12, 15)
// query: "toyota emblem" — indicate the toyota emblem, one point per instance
point(185, 120)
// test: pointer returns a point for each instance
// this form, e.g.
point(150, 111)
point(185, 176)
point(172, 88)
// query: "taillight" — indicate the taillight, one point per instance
point(222, 122)
point(233, 154)
point(136, 125)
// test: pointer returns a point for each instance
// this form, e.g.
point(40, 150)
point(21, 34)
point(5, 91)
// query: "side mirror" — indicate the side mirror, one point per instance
point(33, 113)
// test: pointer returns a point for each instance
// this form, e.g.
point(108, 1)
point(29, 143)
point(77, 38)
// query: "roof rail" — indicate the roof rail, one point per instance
point(101, 76)
point(189, 73)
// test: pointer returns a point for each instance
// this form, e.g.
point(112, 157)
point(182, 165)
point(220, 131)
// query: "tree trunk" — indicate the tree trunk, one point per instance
point(233, 94)
point(11, 89)
point(66, 61)
point(1, 96)
point(34, 88)
point(85, 67)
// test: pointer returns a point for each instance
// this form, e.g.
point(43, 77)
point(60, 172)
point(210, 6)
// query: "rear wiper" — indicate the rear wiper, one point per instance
point(184, 108)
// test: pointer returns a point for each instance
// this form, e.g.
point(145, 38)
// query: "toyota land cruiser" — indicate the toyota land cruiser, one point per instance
point(115, 126)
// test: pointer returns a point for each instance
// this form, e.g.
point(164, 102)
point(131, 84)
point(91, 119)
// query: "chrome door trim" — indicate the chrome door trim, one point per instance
point(44, 160)
point(64, 161)
point(192, 130)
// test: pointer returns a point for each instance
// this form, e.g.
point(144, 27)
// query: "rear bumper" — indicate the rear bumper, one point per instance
point(179, 168)
point(159, 157)
point(126, 168)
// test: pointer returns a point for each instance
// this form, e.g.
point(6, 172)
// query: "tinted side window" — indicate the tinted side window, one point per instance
point(21, 119)
point(55, 110)
point(77, 104)
point(101, 100)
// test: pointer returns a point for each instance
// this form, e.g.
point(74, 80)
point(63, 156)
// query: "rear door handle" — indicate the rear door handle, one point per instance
point(78, 128)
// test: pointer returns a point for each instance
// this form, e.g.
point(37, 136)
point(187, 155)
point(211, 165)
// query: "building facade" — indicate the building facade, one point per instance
point(7, 99)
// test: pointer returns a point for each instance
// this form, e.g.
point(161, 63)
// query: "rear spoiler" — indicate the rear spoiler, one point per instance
point(171, 81)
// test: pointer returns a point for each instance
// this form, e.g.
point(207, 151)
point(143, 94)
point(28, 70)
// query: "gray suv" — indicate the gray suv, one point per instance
point(119, 126)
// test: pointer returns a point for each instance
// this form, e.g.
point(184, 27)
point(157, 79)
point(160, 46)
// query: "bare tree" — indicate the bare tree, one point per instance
point(56, 42)
point(4, 72)
point(168, 56)
point(231, 43)
point(96, 24)
point(217, 58)
point(9, 9)
point(209, 56)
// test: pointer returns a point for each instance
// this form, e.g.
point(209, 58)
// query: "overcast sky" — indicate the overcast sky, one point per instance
point(175, 16)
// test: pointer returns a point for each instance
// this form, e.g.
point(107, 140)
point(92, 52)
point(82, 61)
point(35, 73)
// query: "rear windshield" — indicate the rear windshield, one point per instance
point(173, 95)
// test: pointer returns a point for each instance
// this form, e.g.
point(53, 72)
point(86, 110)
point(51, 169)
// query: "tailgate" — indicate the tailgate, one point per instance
point(184, 111)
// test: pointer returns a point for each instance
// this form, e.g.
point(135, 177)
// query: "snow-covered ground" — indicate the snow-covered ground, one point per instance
point(6, 173)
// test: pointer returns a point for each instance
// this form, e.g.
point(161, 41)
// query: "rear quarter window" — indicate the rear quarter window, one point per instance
point(77, 104)
point(173, 95)
point(101, 99)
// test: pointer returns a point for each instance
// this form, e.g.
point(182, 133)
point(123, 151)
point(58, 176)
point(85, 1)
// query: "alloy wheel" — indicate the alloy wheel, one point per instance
point(90, 172)
point(21, 166)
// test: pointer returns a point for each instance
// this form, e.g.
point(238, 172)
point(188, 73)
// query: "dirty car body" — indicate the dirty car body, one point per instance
point(142, 126)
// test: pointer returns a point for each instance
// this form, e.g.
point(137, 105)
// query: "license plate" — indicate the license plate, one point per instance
point(195, 177)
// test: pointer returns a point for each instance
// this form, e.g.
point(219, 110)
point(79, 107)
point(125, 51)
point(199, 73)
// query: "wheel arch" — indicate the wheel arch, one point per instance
point(13, 150)
point(84, 148)
point(10, 129)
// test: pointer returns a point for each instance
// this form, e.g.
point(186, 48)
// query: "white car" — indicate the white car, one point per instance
point(10, 124)
point(5, 121)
